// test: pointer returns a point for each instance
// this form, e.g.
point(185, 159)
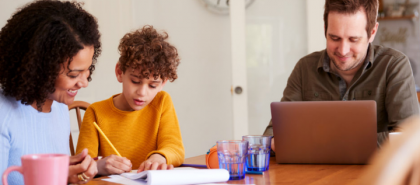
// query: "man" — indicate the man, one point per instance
point(351, 68)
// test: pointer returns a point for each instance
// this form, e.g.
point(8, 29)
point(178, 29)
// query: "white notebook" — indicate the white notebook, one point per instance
point(176, 176)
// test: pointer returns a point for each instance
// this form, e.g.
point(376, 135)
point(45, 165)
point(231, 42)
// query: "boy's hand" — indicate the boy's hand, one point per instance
point(155, 162)
point(113, 165)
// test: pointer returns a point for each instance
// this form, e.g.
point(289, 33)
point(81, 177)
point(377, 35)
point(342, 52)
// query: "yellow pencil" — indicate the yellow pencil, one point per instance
point(109, 142)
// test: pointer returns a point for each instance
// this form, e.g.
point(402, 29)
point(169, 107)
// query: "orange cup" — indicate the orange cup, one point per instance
point(212, 161)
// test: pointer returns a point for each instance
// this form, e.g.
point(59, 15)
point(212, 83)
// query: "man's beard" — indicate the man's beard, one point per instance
point(349, 68)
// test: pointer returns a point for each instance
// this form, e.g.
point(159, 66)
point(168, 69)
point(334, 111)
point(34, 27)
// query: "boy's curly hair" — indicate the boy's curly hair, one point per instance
point(36, 42)
point(148, 51)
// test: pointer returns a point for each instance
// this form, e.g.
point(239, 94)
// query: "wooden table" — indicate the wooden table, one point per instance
point(286, 174)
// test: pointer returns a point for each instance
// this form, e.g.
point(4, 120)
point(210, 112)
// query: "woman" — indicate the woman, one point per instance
point(47, 53)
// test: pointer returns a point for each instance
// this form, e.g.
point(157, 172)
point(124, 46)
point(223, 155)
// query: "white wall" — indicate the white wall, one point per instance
point(315, 23)
point(9, 7)
point(276, 40)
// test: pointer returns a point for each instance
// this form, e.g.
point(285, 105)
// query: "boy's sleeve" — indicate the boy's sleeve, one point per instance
point(169, 135)
point(88, 135)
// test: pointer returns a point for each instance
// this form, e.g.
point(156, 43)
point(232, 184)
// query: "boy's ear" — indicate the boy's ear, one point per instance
point(118, 72)
point(163, 84)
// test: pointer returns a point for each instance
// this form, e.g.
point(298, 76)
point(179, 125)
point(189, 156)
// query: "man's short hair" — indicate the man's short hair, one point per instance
point(351, 7)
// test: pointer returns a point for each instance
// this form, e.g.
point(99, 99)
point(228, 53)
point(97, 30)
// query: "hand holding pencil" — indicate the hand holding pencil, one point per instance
point(113, 164)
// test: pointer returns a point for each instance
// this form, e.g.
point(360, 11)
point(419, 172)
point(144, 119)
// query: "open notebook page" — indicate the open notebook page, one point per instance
point(176, 176)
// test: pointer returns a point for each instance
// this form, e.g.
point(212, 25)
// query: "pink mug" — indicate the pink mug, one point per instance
point(45, 169)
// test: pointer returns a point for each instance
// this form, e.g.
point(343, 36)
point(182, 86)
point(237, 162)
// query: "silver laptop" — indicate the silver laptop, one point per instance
point(324, 132)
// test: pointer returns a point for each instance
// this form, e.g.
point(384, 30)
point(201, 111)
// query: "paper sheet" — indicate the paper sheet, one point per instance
point(122, 180)
point(176, 176)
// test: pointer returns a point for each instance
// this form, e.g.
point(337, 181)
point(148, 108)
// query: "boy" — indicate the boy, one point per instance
point(141, 121)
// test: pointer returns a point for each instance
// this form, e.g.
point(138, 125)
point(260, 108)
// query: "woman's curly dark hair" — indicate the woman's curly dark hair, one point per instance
point(148, 51)
point(36, 42)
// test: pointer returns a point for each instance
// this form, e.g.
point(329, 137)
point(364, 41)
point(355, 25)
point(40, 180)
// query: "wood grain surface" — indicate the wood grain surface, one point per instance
point(286, 174)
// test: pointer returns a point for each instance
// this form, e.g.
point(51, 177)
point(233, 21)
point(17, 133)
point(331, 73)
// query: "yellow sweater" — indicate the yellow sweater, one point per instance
point(135, 134)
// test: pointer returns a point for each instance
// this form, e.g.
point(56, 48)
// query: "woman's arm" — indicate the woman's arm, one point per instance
point(4, 147)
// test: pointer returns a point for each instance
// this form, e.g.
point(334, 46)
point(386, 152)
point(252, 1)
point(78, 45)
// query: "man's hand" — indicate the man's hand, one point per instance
point(155, 162)
point(114, 164)
point(272, 145)
point(81, 164)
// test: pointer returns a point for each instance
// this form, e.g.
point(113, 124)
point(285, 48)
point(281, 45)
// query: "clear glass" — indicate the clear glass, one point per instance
point(259, 148)
point(232, 155)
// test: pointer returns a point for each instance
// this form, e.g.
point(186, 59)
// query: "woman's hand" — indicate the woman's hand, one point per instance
point(114, 165)
point(82, 166)
point(155, 162)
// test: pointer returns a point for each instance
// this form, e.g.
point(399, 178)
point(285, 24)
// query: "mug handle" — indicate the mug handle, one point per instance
point(10, 169)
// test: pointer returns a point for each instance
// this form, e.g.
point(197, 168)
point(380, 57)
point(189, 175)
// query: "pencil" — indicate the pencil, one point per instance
point(109, 142)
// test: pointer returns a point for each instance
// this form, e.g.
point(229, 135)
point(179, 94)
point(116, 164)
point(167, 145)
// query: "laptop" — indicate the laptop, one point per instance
point(324, 132)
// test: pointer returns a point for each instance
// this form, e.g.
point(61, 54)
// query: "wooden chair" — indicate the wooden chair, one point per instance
point(77, 105)
point(398, 161)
